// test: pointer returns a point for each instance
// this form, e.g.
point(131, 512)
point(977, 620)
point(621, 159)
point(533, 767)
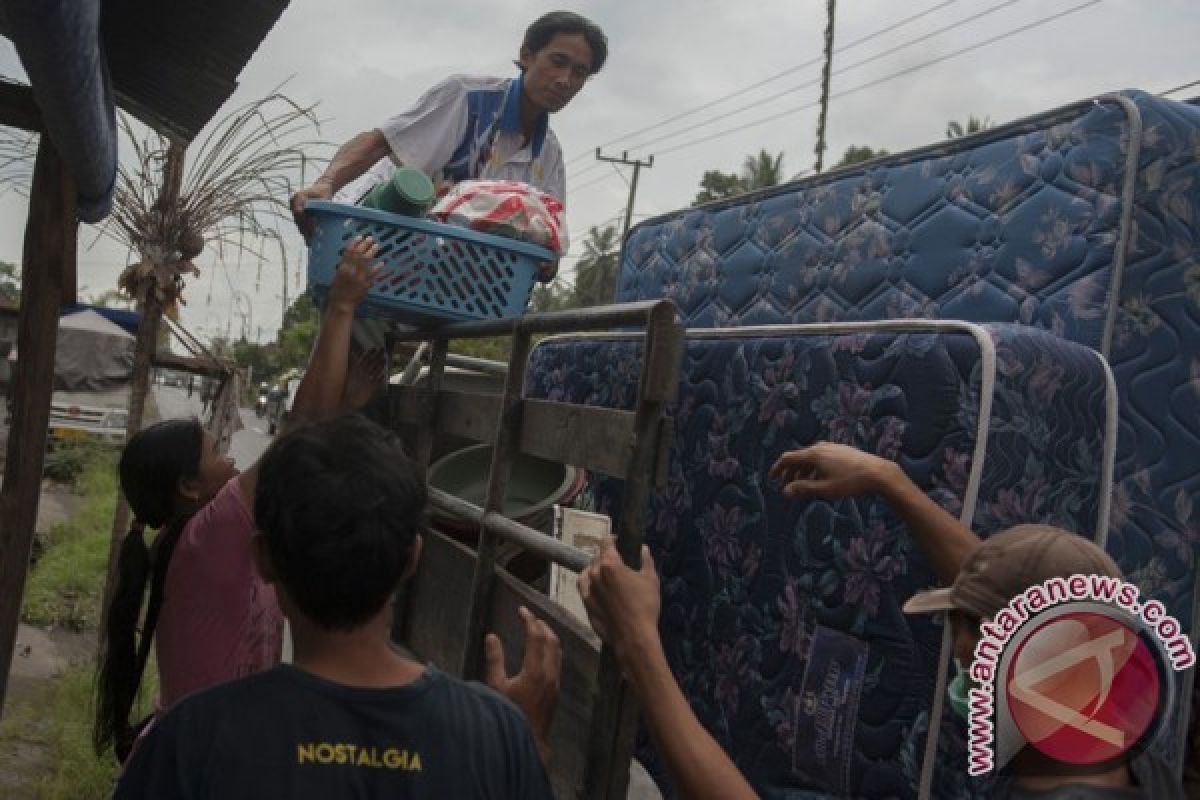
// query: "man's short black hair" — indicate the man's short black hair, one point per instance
point(339, 504)
point(544, 28)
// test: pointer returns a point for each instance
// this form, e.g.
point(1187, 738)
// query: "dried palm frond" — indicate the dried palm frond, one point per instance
point(234, 194)
point(18, 149)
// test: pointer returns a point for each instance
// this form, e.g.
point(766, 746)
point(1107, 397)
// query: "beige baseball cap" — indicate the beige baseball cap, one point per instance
point(1008, 563)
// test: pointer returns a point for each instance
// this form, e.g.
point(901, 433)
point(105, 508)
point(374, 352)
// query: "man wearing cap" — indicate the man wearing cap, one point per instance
point(981, 579)
point(471, 127)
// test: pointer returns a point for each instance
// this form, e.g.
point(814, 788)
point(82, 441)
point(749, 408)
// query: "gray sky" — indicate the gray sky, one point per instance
point(364, 60)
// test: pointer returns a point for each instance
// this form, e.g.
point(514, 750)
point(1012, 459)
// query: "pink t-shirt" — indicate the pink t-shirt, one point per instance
point(219, 620)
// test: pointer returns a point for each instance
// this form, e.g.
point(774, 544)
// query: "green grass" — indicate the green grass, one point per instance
point(54, 734)
point(55, 730)
point(46, 739)
point(66, 586)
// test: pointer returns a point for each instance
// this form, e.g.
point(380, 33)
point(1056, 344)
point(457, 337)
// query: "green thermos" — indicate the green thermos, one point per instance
point(409, 192)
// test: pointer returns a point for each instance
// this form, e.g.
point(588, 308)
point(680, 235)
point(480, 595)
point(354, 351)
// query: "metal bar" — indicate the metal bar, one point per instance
point(532, 540)
point(600, 317)
point(508, 436)
point(429, 411)
point(597, 439)
point(484, 365)
point(426, 432)
point(409, 376)
point(615, 712)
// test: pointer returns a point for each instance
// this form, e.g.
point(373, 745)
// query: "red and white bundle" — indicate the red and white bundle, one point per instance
point(505, 208)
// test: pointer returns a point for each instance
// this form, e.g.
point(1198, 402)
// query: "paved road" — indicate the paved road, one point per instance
point(248, 443)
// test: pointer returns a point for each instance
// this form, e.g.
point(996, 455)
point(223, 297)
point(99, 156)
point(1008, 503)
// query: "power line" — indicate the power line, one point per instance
point(1180, 88)
point(899, 74)
point(620, 174)
point(816, 81)
point(790, 70)
point(593, 182)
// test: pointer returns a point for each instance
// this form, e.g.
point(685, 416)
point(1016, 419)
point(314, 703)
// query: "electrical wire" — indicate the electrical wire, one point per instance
point(745, 89)
point(817, 81)
point(886, 78)
point(1179, 88)
point(811, 83)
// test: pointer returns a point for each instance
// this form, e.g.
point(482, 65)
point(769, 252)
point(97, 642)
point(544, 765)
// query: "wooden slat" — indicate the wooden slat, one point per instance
point(436, 602)
point(437, 598)
point(572, 723)
point(614, 721)
point(597, 439)
point(504, 451)
point(463, 414)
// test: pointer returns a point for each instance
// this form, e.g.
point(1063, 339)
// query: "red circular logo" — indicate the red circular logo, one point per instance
point(1083, 688)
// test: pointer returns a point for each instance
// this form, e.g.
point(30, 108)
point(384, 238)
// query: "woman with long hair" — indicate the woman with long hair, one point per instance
point(210, 616)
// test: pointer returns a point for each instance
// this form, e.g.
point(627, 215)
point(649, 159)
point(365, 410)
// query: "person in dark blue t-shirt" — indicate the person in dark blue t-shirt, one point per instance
point(340, 507)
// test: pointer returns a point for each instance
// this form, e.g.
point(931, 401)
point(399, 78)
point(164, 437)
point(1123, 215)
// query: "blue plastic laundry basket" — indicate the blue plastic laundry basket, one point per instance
point(432, 272)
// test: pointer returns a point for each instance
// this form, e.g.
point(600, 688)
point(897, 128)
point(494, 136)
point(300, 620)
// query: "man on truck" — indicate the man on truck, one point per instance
point(472, 127)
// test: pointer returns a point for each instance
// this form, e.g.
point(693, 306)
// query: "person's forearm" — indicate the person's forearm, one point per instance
point(943, 539)
point(354, 158)
point(699, 768)
point(320, 392)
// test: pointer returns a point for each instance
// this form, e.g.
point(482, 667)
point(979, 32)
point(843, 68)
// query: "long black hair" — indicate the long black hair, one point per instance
point(151, 466)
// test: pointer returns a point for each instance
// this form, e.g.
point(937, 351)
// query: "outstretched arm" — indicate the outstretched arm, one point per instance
point(350, 161)
point(623, 606)
point(319, 395)
point(827, 470)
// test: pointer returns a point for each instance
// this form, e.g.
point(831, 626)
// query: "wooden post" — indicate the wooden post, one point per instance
point(505, 448)
point(144, 352)
point(614, 721)
point(50, 239)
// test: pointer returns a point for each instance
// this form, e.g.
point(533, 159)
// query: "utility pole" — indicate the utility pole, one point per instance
point(637, 166)
point(829, 11)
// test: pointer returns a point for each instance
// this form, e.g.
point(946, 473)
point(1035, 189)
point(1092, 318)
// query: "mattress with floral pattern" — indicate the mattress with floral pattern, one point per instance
point(782, 619)
point(1083, 221)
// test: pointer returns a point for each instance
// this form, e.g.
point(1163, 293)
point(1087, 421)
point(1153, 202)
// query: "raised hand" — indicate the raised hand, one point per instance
point(831, 471)
point(355, 274)
point(622, 603)
point(534, 689)
point(321, 190)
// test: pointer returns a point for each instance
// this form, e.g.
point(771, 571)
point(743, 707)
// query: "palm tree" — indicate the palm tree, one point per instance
point(596, 272)
point(762, 170)
point(856, 154)
point(955, 129)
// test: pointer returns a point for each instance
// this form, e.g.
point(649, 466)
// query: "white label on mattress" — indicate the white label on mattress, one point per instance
point(588, 532)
